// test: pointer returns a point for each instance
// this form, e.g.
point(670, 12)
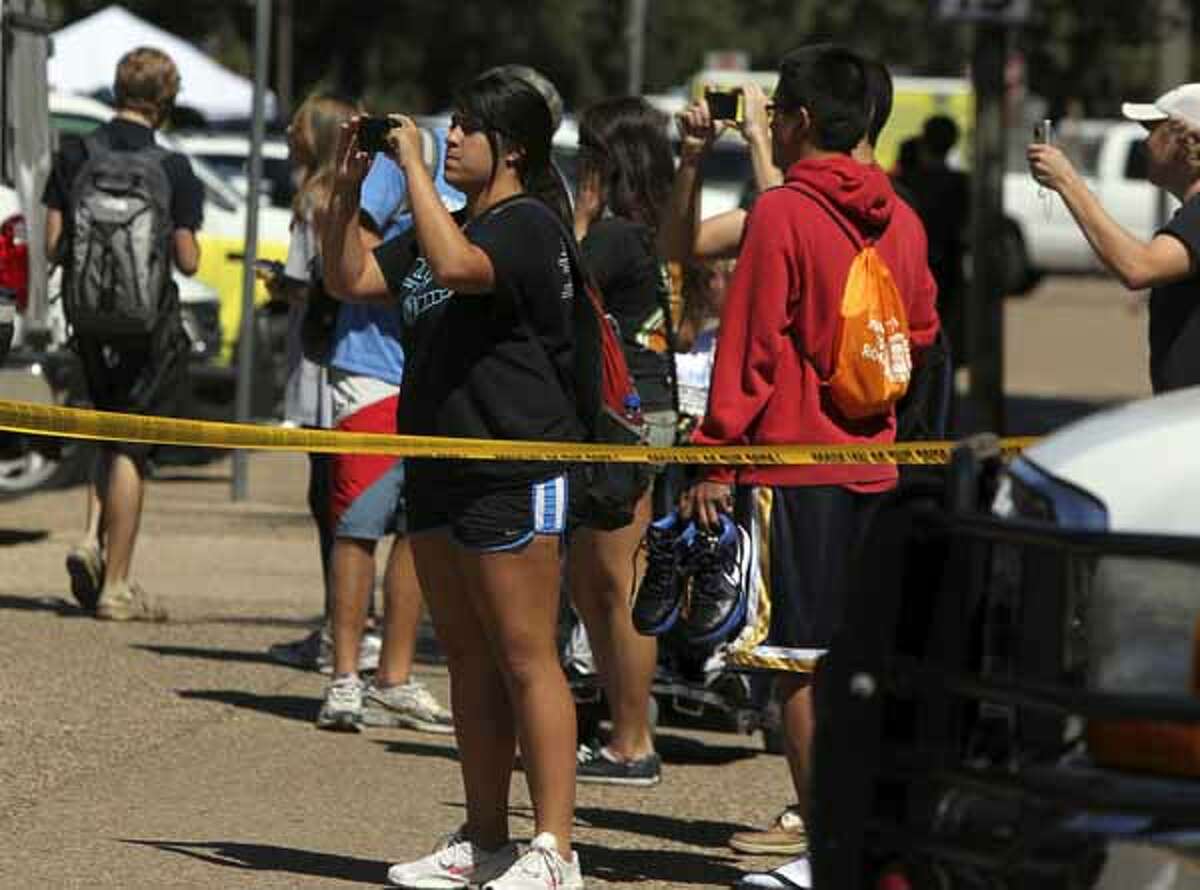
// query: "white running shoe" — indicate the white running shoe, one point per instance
point(409, 705)
point(794, 875)
point(541, 868)
point(455, 862)
point(342, 709)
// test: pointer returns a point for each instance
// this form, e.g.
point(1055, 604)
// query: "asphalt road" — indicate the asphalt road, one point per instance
point(178, 755)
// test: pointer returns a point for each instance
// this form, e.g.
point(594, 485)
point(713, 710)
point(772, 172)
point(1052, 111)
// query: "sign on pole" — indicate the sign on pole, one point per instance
point(1000, 12)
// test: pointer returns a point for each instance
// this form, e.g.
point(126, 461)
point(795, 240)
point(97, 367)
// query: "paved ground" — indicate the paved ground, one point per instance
point(177, 755)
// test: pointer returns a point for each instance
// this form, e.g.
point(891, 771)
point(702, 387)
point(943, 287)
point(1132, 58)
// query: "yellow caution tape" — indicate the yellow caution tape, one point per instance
point(77, 423)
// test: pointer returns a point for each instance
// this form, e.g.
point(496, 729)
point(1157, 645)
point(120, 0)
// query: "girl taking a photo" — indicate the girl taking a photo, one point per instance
point(486, 302)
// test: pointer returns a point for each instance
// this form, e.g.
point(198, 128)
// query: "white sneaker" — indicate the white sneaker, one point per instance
point(342, 708)
point(541, 868)
point(411, 705)
point(792, 875)
point(456, 862)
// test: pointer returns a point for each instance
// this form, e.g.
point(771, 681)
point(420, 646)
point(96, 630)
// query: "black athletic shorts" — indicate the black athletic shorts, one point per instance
point(146, 377)
point(802, 540)
point(487, 518)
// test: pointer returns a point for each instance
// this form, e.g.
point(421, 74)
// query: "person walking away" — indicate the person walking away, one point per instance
point(122, 212)
point(487, 301)
point(1167, 263)
point(775, 357)
point(625, 177)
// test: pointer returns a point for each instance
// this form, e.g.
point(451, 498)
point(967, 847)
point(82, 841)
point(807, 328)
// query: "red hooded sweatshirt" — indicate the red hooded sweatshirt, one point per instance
point(775, 348)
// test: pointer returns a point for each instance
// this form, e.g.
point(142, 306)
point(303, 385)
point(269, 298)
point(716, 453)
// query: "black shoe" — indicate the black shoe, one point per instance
point(718, 565)
point(660, 595)
point(598, 766)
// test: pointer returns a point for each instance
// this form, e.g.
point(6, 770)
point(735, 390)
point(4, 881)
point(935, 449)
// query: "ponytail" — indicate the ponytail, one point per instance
point(548, 186)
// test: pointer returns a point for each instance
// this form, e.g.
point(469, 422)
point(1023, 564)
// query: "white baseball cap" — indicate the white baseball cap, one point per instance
point(1181, 103)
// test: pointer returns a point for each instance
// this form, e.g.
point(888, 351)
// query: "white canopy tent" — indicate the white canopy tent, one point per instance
point(86, 53)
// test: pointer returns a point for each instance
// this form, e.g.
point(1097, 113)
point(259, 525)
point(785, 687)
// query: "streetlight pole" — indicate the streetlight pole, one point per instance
point(1174, 62)
point(985, 309)
point(635, 41)
point(245, 377)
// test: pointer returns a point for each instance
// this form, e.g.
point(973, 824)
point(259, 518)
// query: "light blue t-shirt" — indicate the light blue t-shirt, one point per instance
point(367, 338)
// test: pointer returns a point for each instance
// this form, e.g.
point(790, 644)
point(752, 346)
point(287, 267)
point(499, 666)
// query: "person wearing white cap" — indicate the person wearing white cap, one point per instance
point(1169, 264)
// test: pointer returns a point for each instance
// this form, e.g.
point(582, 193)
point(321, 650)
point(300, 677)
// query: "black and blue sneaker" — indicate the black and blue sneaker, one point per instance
point(659, 598)
point(718, 564)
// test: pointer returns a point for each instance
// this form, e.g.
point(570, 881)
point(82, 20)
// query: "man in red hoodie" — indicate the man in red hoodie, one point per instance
point(775, 354)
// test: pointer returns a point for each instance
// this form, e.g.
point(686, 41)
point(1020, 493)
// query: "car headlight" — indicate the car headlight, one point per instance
point(1032, 493)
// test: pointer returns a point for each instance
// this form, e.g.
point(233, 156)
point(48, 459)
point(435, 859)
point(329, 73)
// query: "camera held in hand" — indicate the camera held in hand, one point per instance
point(724, 104)
point(372, 134)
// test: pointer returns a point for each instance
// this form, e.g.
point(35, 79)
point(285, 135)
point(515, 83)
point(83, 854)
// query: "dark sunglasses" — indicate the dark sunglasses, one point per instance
point(465, 122)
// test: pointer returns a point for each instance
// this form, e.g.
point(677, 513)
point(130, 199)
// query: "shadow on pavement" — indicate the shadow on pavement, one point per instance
point(294, 707)
point(419, 749)
point(56, 604)
point(694, 832)
point(679, 867)
point(11, 536)
point(208, 654)
point(683, 751)
point(266, 857)
point(305, 624)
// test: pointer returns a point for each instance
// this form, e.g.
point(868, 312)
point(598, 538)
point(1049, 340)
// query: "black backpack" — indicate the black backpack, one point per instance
point(604, 495)
point(119, 270)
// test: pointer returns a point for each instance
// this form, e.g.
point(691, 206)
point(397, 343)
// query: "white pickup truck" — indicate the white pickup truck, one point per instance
point(1041, 235)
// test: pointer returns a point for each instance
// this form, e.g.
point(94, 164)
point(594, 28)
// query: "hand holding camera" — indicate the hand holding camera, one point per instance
point(755, 124)
point(724, 104)
point(697, 130)
point(1047, 163)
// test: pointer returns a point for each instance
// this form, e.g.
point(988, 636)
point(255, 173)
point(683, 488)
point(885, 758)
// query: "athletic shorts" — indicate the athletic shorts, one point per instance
point(488, 520)
point(147, 378)
point(802, 542)
point(366, 497)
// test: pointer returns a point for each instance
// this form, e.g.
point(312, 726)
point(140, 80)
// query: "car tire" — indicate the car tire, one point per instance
point(29, 463)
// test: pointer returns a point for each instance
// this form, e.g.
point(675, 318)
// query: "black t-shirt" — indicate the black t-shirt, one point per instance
point(187, 193)
point(619, 255)
point(1175, 312)
point(489, 366)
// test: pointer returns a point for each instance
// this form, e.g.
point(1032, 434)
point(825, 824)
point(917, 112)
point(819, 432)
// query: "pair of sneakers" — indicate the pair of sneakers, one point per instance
point(315, 651)
point(695, 575)
point(351, 704)
point(117, 601)
point(457, 862)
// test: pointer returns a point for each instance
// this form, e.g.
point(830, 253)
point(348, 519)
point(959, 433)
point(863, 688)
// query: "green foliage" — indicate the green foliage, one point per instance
point(412, 54)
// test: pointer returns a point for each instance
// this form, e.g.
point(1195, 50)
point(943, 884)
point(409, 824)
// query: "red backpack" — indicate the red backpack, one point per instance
point(606, 399)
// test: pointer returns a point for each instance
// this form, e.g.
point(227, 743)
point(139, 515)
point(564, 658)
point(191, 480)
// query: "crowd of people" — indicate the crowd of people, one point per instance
point(435, 282)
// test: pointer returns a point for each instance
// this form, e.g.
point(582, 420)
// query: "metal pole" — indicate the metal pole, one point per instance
point(284, 41)
point(1174, 62)
point(245, 377)
point(985, 309)
point(635, 40)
